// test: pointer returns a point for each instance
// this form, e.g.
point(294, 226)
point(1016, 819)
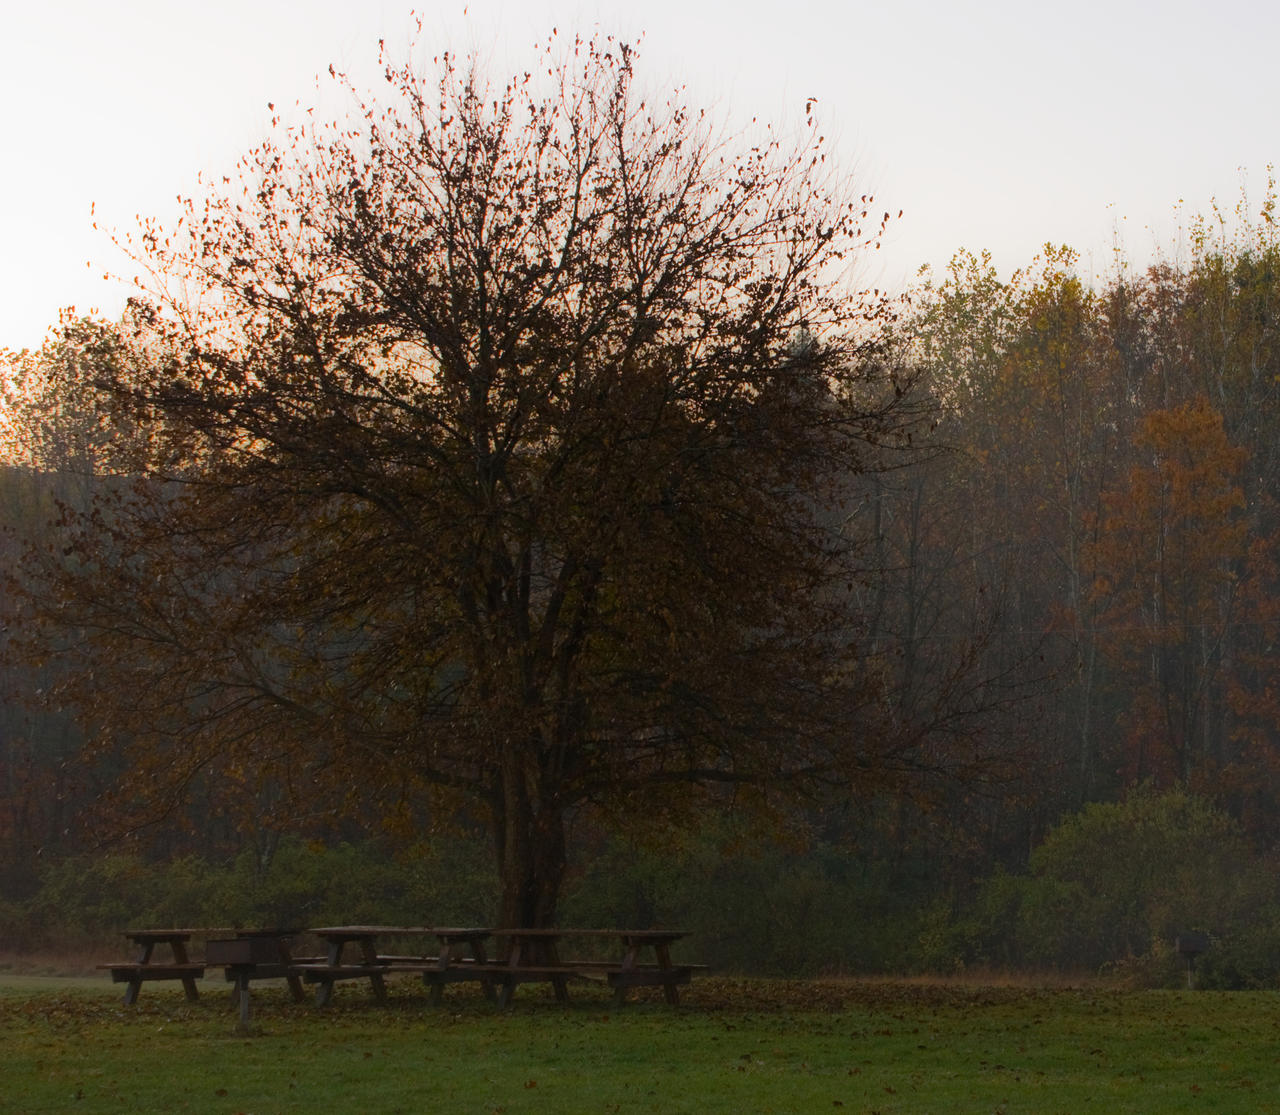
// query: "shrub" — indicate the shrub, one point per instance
point(86, 901)
point(1112, 887)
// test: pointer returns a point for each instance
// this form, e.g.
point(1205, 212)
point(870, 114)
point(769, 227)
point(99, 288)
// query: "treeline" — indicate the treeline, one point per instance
point(1077, 580)
point(1111, 490)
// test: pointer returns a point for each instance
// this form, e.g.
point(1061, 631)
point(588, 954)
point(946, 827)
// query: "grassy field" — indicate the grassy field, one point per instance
point(733, 1046)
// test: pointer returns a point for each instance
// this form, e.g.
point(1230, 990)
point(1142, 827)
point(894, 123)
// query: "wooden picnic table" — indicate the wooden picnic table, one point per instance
point(144, 966)
point(533, 955)
point(460, 956)
point(246, 954)
point(336, 938)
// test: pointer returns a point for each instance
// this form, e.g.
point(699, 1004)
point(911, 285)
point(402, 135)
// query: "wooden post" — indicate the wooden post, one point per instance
point(1192, 945)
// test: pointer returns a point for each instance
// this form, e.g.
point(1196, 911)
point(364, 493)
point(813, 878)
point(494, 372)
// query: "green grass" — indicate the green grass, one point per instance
point(732, 1047)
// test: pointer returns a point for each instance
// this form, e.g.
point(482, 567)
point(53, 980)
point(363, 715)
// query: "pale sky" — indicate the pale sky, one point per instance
point(996, 124)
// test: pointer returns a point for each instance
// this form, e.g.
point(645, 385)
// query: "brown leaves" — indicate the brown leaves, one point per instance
point(1171, 545)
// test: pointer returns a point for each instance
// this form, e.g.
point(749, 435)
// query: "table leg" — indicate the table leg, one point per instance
point(477, 951)
point(436, 986)
point(242, 994)
point(663, 952)
point(369, 950)
point(135, 982)
point(629, 959)
point(324, 992)
point(506, 991)
point(551, 956)
point(188, 982)
point(324, 988)
point(292, 978)
point(514, 956)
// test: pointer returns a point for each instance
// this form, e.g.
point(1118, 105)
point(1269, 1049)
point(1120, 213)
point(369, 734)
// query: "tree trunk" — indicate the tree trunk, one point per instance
point(530, 843)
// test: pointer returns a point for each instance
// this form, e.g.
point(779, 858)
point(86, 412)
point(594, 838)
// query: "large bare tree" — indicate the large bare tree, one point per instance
point(495, 441)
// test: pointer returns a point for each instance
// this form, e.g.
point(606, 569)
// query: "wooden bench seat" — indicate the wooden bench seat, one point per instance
point(470, 970)
point(458, 970)
point(257, 971)
point(621, 979)
point(595, 969)
point(649, 976)
point(534, 971)
point(432, 963)
point(325, 975)
point(321, 972)
point(127, 970)
point(135, 974)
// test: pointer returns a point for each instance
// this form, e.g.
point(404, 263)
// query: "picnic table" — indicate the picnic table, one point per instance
point(246, 954)
point(525, 956)
point(332, 968)
point(460, 955)
point(534, 955)
point(144, 966)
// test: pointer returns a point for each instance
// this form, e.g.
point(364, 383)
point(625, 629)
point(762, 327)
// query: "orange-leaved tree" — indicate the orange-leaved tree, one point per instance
point(1171, 552)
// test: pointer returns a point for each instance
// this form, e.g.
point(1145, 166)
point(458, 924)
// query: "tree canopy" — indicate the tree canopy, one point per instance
point(495, 446)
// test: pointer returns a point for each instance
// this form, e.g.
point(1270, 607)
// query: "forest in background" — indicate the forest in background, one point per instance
point(1079, 573)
